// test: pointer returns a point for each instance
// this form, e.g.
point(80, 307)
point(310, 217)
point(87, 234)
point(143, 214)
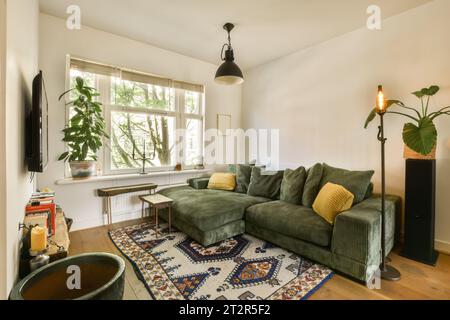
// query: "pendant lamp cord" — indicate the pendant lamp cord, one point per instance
point(228, 45)
point(221, 53)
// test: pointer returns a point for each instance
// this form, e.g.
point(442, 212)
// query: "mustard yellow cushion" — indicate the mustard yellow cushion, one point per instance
point(332, 200)
point(222, 181)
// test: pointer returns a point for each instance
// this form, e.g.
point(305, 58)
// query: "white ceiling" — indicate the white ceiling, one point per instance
point(265, 29)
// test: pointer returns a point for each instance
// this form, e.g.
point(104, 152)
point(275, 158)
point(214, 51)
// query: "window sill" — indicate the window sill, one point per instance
point(94, 179)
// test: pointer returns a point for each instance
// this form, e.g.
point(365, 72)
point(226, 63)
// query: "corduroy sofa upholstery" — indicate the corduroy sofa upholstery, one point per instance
point(209, 216)
point(350, 246)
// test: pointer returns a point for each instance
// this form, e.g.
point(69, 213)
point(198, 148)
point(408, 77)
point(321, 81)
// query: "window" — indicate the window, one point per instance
point(143, 112)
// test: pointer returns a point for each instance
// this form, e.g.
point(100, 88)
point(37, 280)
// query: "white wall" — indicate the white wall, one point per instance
point(320, 98)
point(79, 201)
point(2, 150)
point(21, 67)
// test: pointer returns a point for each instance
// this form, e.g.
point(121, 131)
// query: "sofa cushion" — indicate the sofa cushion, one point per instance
point(222, 181)
point(292, 185)
point(312, 185)
point(332, 200)
point(208, 209)
point(243, 174)
point(369, 192)
point(232, 168)
point(267, 184)
point(357, 182)
point(291, 220)
point(198, 183)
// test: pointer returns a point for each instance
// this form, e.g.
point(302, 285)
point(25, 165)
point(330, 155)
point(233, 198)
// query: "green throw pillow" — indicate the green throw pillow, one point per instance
point(292, 185)
point(357, 182)
point(311, 189)
point(232, 168)
point(265, 185)
point(369, 192)
point(198, 183)
point(243, 174)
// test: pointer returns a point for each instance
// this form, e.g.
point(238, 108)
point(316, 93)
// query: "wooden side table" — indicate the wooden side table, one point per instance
point(156, 202)
point(116, 191)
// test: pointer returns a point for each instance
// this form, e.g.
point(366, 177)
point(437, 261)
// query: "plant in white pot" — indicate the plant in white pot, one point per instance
point(85, 130)
point(419, 136)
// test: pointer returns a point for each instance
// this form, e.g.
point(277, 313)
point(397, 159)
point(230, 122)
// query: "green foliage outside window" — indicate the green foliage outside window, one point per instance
point(129, 130)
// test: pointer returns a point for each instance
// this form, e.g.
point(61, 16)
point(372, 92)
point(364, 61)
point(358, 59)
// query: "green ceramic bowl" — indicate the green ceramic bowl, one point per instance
point(90, 276)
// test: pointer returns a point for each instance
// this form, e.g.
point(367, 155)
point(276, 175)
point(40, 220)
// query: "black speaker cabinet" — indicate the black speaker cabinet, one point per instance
point(420, 211)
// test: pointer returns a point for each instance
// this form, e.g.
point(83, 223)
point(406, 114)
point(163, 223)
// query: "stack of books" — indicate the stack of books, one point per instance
point(41, 210)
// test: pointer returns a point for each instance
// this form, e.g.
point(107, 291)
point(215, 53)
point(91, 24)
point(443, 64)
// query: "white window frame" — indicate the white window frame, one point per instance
point(103, 85)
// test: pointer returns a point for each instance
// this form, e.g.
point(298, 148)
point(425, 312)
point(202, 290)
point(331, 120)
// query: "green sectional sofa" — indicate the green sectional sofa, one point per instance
point(351, 246)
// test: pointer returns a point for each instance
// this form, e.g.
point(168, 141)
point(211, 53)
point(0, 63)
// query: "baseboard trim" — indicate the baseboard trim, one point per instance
point(442, 246)
point(100, 221)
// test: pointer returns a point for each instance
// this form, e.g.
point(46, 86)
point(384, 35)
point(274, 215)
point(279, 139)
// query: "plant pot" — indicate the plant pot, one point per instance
point(82, 169)
point(102, 277)
point(411, 154)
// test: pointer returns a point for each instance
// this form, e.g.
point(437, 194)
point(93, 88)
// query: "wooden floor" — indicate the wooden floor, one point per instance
point(418, 281)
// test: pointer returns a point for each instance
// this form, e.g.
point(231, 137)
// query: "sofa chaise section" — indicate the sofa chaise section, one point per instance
point(209, 216)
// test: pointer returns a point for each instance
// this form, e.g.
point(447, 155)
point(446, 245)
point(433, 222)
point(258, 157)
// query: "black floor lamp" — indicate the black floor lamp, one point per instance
point(386, 272)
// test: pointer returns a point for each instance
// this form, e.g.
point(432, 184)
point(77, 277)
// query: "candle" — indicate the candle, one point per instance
point(381, 104)
point(38, 239)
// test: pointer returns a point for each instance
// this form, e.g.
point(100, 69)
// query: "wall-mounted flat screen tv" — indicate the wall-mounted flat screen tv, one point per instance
point(37, 127)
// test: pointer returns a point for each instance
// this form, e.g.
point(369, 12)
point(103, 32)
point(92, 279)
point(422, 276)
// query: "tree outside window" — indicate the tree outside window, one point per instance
point(147, 114)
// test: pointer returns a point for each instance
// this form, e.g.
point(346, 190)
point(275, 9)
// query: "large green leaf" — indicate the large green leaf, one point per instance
point(63, 156)
point(80, 83)
point(371, 116)
point(421, 138)
point(419, 94)
point(373, 113)
point(65, 92)
point(431, 91)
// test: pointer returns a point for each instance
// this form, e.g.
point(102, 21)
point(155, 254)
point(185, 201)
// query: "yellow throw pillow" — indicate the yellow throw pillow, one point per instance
point(332, 200)
point(222, 181)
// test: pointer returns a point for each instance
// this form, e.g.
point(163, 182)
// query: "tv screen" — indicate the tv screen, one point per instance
point(37, 127)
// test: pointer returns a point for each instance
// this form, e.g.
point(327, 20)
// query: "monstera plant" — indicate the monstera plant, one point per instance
point(420, 134)
point(85, 130)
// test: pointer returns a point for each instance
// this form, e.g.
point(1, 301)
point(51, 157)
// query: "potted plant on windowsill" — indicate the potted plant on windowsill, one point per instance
point(85, 130)
point(419, 136)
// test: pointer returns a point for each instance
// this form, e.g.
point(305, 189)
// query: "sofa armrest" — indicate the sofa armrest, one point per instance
point(198, 183)
point(357, 232)
point(356, 235)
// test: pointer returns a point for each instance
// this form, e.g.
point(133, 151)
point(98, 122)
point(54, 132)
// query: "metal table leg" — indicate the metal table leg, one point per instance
point(109, 212)
point(156, 218)
point(170, 219)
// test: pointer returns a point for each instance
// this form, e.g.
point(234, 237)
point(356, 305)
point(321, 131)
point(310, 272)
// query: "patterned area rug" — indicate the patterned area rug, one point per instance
point(173, 266)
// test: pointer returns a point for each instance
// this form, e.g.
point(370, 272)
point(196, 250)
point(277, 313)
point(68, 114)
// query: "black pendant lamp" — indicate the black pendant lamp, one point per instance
point(228, 73)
